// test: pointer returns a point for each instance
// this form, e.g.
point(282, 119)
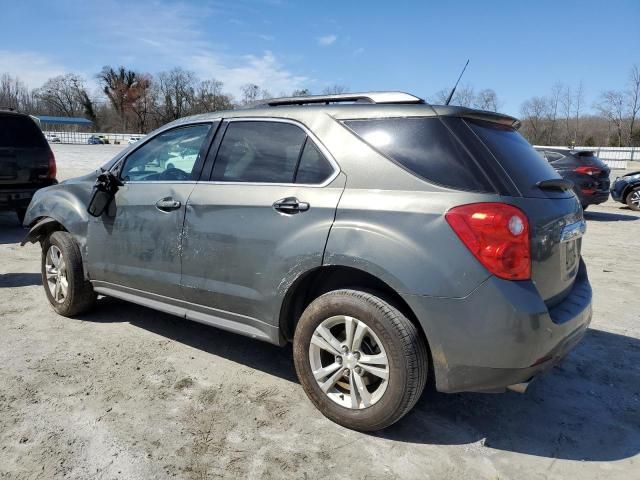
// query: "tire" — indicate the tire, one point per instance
point(388, 334)
point(78, 297)
point(21, 212)
point(633, 199)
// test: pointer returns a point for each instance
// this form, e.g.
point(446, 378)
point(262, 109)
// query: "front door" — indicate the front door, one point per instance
point(137, 242)
point(262, 219)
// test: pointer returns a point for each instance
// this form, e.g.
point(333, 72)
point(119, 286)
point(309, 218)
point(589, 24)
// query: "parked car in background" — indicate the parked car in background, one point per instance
point(626, 189)
point(26, 161)
point(452, 250)
point(589, 174)
point(95, 140)
point(133, 140)
point(104, 139)
point(52, 138)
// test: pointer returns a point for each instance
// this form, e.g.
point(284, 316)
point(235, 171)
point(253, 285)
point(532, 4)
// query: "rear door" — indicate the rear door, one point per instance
point(263, 218)
point(137, 243)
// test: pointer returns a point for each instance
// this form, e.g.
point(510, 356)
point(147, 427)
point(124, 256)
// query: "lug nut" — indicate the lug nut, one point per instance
point(358, 370)
point(346, 372)
point(339, 360)
point(356, 355)
point(345, 349)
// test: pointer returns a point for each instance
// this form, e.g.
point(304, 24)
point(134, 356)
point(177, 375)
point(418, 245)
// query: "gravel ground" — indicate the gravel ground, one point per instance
point(127, 392)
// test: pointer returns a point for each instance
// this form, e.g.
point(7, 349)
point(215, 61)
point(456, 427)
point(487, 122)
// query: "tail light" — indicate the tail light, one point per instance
point(588, 170)
point(53, 169)
point(497, 234)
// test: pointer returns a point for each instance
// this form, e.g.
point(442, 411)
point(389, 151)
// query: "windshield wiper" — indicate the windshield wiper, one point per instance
point(555, 184)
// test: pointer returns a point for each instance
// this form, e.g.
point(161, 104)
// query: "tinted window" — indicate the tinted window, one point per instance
point(17, 131)
point(518, 158)
point(314, 167)
point(265, 152)
point(169, 156)
point(426, 148)
point(553, 156)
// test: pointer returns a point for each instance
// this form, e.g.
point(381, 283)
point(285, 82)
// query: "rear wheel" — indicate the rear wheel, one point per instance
point(633, 199)
point(361, 362)
point(63, 277)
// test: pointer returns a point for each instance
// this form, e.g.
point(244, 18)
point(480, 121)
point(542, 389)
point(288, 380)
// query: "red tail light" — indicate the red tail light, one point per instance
point(53, 169)
point(498, 236)
point(588, 170)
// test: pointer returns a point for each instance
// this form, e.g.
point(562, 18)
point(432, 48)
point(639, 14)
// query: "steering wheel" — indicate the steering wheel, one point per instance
point(173, 173)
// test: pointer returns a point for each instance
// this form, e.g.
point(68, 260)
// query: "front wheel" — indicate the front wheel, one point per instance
point(360, 361)
point(633, 199)
point(68, 292)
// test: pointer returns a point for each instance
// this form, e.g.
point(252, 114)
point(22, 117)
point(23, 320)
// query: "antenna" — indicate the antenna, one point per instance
point(453, 90)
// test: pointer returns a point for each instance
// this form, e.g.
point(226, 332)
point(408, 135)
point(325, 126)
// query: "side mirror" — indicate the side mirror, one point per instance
point(104, 191)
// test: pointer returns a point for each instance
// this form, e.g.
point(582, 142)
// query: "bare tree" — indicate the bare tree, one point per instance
point(144, 102)
point(487, 99)
point(118, 85)
point(633, 100)
point(176, 91)
point(578, 100)
point(60, 95)
point(335, 89)
point(303, 92)
point(250, 93)
point(210, 97)
point(611, 106)
point(534, 113)
point(553, 102)
point(14, 94)
point(566, 102)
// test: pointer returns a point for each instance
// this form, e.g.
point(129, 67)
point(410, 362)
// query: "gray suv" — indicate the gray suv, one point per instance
point(394, 243)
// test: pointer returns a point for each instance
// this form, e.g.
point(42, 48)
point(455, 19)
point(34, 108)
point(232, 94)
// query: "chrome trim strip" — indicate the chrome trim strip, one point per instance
point(573, 231)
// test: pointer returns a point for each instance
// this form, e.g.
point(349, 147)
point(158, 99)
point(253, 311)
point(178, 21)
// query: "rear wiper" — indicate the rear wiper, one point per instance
point(555, 184)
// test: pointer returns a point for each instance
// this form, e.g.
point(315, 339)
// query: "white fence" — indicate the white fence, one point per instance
point(83, 137)
point(615, 157)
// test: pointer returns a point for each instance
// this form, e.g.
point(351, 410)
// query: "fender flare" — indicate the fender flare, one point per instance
point(39, 230)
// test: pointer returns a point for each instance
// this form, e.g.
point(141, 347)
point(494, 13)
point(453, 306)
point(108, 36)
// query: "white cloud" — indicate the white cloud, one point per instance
point(327, 40)
point(31, 68)
point(265, 71)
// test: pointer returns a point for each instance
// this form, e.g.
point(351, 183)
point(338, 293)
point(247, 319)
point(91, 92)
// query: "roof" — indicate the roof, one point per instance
point(63, 120)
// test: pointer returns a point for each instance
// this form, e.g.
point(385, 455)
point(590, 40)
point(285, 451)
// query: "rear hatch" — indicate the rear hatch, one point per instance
point(24, 153)
point(600, 171)
point(554, 214)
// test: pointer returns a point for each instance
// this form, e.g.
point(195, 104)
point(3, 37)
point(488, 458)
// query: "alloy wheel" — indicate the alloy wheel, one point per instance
point(56, 273)
point(349, 362)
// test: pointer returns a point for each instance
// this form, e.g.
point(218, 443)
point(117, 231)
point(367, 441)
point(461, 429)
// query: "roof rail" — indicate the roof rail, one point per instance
point(366, 97)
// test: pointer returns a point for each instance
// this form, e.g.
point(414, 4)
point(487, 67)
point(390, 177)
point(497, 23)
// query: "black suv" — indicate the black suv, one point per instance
point(26, 161)
point(589, 174)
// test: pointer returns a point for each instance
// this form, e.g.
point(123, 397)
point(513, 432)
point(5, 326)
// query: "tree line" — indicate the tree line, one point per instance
point(135, 101)
point(560, 117)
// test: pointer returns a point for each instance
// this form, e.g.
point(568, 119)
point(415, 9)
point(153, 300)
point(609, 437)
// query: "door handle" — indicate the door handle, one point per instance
point(167, 204)
point(290, 205)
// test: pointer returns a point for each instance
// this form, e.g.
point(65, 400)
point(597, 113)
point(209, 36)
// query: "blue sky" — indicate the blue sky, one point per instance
point(518, 48)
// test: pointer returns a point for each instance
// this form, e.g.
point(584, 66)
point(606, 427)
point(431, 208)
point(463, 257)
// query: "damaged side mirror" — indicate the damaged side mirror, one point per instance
point(104, 190)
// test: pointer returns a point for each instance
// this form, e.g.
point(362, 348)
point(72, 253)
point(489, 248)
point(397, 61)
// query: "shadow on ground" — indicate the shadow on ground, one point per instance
point(610, 217)
point(9, 280)
point(588, 408)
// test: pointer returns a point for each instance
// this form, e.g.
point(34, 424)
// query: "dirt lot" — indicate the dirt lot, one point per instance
point(127, 392)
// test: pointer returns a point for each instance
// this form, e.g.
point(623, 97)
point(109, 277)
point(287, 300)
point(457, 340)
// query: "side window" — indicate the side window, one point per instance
point(171, 155)
point(314, 167)
point(256, 151)
point(553, 156)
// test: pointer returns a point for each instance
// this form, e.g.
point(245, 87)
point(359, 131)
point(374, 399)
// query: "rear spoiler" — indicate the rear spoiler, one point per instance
point(481, 115)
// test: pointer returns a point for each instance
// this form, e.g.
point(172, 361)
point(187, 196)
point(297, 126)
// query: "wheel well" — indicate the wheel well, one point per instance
point(46, 229)
point(630, 188)
point(325, 279)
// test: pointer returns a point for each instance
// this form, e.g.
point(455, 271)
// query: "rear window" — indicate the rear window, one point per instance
point(17, 131)
point(589, 158)
point(522, 163)
point(424, 147)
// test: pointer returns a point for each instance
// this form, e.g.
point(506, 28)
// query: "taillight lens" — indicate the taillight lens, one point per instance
point(588, 170)
point(53, 169)
point(497, 234)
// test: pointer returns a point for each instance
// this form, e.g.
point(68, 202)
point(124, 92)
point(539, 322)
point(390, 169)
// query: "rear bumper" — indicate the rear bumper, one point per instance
point(12, 198)
point(594, 198)
point(501, 334)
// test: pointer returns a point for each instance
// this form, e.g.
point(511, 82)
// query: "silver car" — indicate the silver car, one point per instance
point(394, 243)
